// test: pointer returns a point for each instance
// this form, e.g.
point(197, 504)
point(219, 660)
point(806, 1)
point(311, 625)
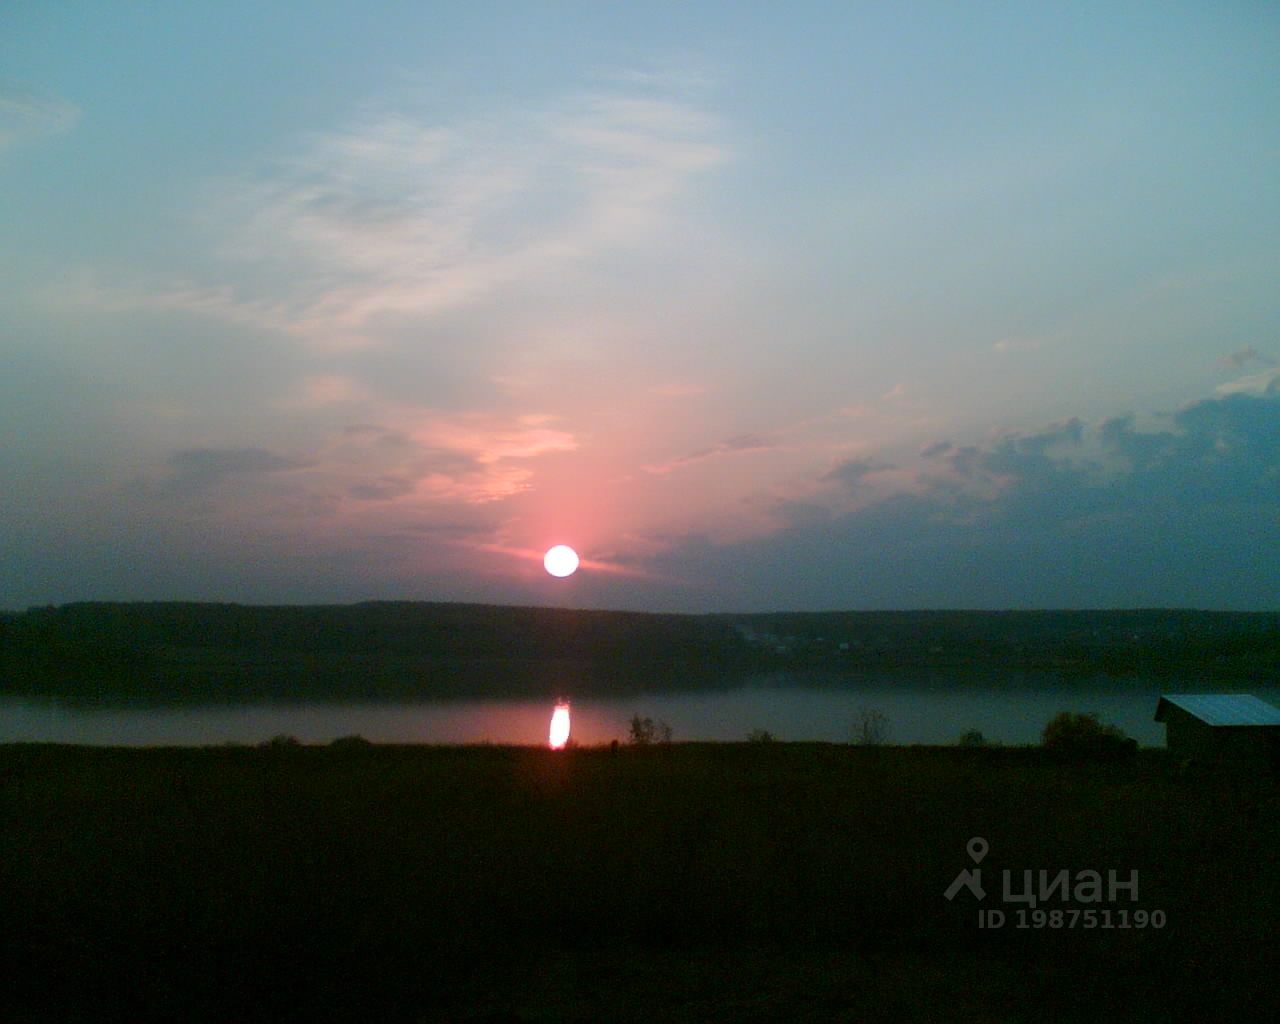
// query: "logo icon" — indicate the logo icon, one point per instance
point(970, 878)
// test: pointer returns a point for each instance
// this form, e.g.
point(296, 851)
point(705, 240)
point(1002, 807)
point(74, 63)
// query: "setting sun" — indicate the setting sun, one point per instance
point(559, 726)
point(561, 560)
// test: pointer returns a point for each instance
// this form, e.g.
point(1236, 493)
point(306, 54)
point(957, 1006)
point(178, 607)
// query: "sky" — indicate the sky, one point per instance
point(757, 306)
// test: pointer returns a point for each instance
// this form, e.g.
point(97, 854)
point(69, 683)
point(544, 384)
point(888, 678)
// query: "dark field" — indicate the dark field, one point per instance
point(688, 882)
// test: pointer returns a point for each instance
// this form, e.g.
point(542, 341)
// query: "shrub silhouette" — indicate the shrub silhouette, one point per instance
point(760, 736)
point(356, 742)
point(644, 731)
point(640, 731)
point(870, 728)
point(973, 738)
point(1074, 735)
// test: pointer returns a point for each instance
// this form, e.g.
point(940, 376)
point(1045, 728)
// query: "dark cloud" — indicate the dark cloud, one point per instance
point(963, 461)
point(378, 435)
point(743, 443)
point(1068, 432)
point(195, 469)
point(1065, 517)
point(220, 461)
point(932, 451)
point(447, 462)
point(801, 514)
point(1244, 356)
point(384, 488)
point(409, 461)
point(480, 525)
point(851, 472)
point(346, 210)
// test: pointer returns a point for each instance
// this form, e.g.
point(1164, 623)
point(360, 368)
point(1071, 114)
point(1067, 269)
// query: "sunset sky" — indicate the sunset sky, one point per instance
point(757, 306)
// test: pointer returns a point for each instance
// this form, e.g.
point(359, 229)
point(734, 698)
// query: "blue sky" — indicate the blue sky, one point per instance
point(825, 306)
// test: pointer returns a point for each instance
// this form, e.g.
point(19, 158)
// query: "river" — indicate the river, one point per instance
point(790, 708)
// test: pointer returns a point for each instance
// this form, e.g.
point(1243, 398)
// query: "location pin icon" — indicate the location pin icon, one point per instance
point(977, 847)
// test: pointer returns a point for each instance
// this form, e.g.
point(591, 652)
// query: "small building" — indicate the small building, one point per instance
point(1236, 729)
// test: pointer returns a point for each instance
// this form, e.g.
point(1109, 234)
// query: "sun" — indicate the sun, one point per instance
point(561, 560)
point(559, 735)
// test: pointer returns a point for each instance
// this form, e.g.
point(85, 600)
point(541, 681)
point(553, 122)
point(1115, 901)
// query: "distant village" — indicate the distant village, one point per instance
point(1125, 642)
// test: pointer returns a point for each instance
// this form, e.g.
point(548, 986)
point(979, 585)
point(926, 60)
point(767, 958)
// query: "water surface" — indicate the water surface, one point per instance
point(791, 708)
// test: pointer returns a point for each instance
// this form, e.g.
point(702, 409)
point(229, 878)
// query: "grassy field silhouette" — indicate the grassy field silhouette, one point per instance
point(683, 881)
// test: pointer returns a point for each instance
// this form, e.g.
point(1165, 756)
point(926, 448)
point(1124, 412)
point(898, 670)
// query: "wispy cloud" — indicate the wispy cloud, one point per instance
point(1246, 356)
point(1264, 382)
point(219, 302)
point(431, 462)
point(1008, 345)
point(397, 217)
point(678, 389)
point(466, 459)
point(490, 440)
point(25, 116)
point(737, 445)
point(325, 389)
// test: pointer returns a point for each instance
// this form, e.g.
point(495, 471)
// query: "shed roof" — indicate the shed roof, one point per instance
point(1221, 709)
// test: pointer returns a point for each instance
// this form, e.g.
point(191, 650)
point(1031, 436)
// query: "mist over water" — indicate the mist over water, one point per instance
point(789, 707)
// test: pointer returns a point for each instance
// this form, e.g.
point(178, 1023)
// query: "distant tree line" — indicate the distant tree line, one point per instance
point(187, 651)
point(172, 651)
